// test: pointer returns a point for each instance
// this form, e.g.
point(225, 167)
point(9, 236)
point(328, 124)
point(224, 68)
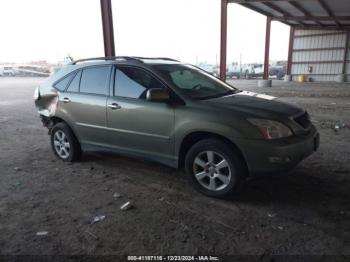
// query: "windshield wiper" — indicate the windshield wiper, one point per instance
point(231, 92)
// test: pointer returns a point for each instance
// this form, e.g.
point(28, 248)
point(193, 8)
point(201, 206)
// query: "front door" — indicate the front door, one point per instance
point(134, 123)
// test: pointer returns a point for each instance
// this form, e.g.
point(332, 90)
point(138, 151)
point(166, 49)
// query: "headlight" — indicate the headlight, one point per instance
point(271, 129)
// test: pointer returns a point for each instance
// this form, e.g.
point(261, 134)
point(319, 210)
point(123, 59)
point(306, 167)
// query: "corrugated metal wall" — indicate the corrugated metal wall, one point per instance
point(322, 50)
point(347, 64)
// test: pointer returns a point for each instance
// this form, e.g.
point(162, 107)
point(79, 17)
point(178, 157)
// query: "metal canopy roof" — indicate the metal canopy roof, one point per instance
point(318, 14)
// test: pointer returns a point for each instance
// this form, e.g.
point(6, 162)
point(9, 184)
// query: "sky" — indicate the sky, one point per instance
point(188, 30)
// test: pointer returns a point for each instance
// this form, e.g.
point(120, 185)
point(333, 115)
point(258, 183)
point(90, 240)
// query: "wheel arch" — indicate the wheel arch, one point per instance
point(49, 122)
point(194, 137)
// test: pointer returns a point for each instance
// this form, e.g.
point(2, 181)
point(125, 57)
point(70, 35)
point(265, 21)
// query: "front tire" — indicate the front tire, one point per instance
point(215, 168)
point(64, 143)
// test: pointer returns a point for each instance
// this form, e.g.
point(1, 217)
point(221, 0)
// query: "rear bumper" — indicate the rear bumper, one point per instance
point(282, 155)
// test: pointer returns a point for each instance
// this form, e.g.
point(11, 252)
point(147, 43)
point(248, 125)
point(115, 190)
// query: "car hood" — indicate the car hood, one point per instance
point(256, 104)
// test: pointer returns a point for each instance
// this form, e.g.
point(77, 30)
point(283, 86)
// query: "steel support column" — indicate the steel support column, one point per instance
point(267, 47)
point(223, 40)
point(107, 23)
point(290, 51)
point(346, 50)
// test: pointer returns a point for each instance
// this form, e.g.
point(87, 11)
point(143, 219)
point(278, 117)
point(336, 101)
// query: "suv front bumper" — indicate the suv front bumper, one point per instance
point(281, 155)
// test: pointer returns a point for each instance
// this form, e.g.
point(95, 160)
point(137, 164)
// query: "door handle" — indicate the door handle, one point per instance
point(114, 106)
point(66, 100)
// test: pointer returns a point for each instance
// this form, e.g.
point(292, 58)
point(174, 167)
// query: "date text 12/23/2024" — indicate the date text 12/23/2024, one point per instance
point(173, 258)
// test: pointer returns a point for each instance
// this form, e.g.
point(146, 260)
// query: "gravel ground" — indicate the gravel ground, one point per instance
point(304, 212)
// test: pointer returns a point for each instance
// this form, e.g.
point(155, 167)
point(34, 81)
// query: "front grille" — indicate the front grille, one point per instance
point(303, 120)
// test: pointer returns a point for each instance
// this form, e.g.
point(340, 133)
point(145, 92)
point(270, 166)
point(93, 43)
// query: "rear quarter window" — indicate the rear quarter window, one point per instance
point(74, 85)
point(63, 82)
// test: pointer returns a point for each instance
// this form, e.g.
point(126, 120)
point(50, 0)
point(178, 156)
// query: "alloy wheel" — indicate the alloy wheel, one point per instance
point(212, 170)
point(61, 144)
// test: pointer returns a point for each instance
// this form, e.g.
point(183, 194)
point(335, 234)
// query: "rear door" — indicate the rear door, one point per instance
point(134, 123)
point(85, 104)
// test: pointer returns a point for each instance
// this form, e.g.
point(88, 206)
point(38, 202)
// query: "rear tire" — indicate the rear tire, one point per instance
point(64, 143)
point(215, 168)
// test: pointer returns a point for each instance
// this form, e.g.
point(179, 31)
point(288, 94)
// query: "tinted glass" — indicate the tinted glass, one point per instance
point(94, 80)
point(62, 84)
point(134, 82)
point(74, 85)
point(194, 82)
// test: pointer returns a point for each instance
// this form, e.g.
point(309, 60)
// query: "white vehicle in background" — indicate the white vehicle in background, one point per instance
point(234, 70)
point(7, 71)
point(253, 70)
point(211, 69)
point(278, 69)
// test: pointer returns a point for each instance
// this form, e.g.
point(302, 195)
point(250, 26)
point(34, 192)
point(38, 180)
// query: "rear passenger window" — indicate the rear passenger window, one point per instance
point(94, 80)
point(62, 84)
point(74, 85)
point(134, 83)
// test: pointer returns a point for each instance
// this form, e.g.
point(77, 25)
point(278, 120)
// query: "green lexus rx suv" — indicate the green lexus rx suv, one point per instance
point(176, 114)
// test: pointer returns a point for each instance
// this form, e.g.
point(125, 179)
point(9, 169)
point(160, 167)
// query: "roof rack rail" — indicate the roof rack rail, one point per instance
point(105, 58)
point(156, 58)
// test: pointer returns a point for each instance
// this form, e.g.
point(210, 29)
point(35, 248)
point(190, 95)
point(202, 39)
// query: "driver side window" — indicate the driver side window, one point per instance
point(133, 82)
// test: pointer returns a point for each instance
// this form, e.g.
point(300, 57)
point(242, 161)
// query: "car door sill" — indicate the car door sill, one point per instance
point(160, 158)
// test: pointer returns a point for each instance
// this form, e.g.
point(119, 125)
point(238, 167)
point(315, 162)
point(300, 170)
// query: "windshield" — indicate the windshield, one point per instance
point(194, 82)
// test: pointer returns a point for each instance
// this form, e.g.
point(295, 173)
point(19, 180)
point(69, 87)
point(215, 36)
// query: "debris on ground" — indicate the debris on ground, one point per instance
point(42, 233)
point(344, 125)
point(337, 127)
point(117, 195)
point(17, 169)
point(91, 234)
point(98, 219)
point(128, 205)
point(220, 233)
point(344, 213)
point(271, 215)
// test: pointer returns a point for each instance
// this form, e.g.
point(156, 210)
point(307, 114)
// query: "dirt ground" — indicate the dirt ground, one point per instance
point(304, 212)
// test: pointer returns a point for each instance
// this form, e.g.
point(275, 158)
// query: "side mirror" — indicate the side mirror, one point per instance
point(158, 95)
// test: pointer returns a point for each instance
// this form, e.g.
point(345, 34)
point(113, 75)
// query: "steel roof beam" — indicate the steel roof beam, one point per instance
point(297, 6)
point(329, 27)
point(276, 8)
point(312, 18)
point(327, 10)
point(247, 5)
point(279, 10)
point(261, 1)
